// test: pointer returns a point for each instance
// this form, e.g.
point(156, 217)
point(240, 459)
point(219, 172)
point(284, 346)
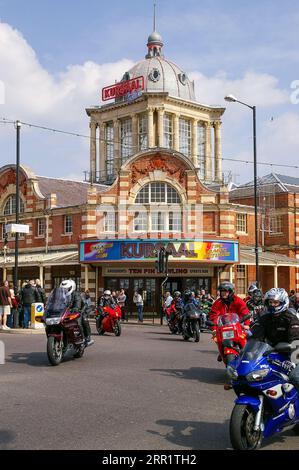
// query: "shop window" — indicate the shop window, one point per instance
point(185, 136)
point(276, 225)
point(143, 132)
point(10, 205)
point(158, 193)
point(109, 222)
point(41, 227)
point(241, 279)
point(68, 224)
point(109, 142)
point(241, 223)
point(141, 222)
point(126, 139)
point(168, 131)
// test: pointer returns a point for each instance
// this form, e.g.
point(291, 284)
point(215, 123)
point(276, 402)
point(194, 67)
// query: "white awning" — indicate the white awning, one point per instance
point(266, 258)
point(41, 259)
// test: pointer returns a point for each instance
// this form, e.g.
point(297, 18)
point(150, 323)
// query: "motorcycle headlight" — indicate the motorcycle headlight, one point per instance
point(231, 372)
point(257, 375)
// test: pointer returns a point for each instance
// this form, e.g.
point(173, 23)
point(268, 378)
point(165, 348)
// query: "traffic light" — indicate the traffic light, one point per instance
point(160, 264)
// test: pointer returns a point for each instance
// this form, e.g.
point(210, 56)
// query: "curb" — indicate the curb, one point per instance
point(22, 331)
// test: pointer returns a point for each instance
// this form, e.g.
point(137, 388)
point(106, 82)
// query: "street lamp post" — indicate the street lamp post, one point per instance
point(232, 99)
point(18, 129)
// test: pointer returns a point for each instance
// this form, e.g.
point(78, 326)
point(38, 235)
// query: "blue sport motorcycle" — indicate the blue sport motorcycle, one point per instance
point(267, 402)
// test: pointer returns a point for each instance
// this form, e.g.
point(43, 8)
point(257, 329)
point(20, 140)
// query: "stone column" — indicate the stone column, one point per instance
point(86, 276)
point(208, 153)
point(93, 150)
point(135, 133)
point(116, 136)
point(102, 147)
point(151, 142)
point(275, 276)
point(217, 146)
point(160, 127)
point(194, 143)
point(41, 275)
point(176, 132)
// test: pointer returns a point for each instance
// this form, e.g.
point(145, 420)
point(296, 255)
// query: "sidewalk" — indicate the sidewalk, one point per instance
point(134, 322)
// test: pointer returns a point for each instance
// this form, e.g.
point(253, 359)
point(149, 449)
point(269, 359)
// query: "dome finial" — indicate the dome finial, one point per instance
point(154, 42)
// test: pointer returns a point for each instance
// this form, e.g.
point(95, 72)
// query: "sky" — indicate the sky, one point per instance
point(55, 57)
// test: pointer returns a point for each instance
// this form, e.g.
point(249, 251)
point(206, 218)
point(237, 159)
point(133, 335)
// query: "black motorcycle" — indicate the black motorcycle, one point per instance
point(191, 322)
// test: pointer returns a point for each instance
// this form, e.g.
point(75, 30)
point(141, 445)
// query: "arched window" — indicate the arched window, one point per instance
point(165, 211)
point(10, 205)
point(159, 193)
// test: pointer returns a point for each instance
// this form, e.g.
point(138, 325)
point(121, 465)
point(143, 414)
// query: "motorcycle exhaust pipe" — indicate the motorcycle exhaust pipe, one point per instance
point(258, 417)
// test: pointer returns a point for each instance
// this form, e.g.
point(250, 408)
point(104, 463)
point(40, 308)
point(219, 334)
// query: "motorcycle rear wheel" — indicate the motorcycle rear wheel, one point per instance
point(117, 329)
point(242, 434)
point(54, 351)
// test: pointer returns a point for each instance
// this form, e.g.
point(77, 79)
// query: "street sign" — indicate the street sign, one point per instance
point(16, 228)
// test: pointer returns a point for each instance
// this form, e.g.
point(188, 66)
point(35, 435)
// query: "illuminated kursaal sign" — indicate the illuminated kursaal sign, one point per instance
point(123, 88)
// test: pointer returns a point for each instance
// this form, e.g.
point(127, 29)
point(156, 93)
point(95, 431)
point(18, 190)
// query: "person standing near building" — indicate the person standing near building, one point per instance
point(41, 294)
point(13, 319)
point(138, 300)
point(121, 300)
point(28, 296)
point(5, 305)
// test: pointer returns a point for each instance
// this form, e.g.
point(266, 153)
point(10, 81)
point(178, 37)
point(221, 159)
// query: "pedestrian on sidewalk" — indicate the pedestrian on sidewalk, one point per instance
point(121, 300)
point(13, 319)
point(5, 305)
point(28, 296)
point(138, 300)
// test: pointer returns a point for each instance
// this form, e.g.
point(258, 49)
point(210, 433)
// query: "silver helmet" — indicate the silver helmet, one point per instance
point(278, 294)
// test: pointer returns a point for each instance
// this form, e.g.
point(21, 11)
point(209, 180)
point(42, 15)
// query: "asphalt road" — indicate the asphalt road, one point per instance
point(146, 389)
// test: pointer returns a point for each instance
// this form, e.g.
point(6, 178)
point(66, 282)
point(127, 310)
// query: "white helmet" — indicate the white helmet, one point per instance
point(107, 293)
point(69, 285)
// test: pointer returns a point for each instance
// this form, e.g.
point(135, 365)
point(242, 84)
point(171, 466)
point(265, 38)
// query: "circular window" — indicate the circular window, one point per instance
point(183, 78)
point(154, 75)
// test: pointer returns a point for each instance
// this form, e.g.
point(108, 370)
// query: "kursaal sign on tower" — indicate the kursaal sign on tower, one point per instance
point(123, 88)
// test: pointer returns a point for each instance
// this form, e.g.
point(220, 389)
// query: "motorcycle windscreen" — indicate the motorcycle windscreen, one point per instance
point(57, 303)
point(254, 349)
point(228, 319)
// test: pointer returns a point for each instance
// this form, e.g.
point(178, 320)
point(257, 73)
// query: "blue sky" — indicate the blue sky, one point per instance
point(52, 47)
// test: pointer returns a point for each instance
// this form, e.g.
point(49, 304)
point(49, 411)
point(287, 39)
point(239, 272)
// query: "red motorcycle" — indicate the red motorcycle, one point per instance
point(108, 321)
point(63, 330)
point(173, 317)
point(230, 336)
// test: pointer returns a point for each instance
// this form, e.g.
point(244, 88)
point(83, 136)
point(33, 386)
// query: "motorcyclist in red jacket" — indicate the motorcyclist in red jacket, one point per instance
point(228, 302)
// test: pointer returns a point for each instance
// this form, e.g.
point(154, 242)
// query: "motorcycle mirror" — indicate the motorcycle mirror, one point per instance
point(283, 347)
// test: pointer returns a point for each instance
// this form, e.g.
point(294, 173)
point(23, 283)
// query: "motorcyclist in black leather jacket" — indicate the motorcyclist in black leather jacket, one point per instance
point(76, 304)
point(106, 300)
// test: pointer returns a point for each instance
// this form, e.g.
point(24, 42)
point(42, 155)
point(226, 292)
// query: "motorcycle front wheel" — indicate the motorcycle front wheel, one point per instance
point(242, 434)
point(196, 332)
point(54, 351)
point(117, 329)
point(99, 328)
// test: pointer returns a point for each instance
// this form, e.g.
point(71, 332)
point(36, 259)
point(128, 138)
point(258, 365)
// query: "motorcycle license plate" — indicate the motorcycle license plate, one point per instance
point(228, 334)
point(52, 321)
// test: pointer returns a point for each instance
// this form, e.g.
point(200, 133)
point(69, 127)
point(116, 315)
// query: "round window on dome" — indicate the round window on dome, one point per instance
point(154, 75)
point(183, 78)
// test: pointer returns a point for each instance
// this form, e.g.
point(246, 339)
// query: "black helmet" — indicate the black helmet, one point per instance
point(177, 294)
point(187, 294)
point(228, 286)
point(252, 288)
point(257, 296)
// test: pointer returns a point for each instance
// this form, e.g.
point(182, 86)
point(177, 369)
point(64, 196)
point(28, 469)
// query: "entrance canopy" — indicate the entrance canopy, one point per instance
point(42, 259)
point(266, 258)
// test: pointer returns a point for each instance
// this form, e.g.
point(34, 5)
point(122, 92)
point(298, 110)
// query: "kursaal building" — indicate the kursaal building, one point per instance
point(155, 180)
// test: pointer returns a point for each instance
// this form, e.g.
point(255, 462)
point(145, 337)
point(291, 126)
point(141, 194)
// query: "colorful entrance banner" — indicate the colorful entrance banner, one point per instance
point(146, 250)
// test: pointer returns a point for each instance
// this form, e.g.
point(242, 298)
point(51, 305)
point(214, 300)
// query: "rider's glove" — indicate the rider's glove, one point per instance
point(288, 366)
